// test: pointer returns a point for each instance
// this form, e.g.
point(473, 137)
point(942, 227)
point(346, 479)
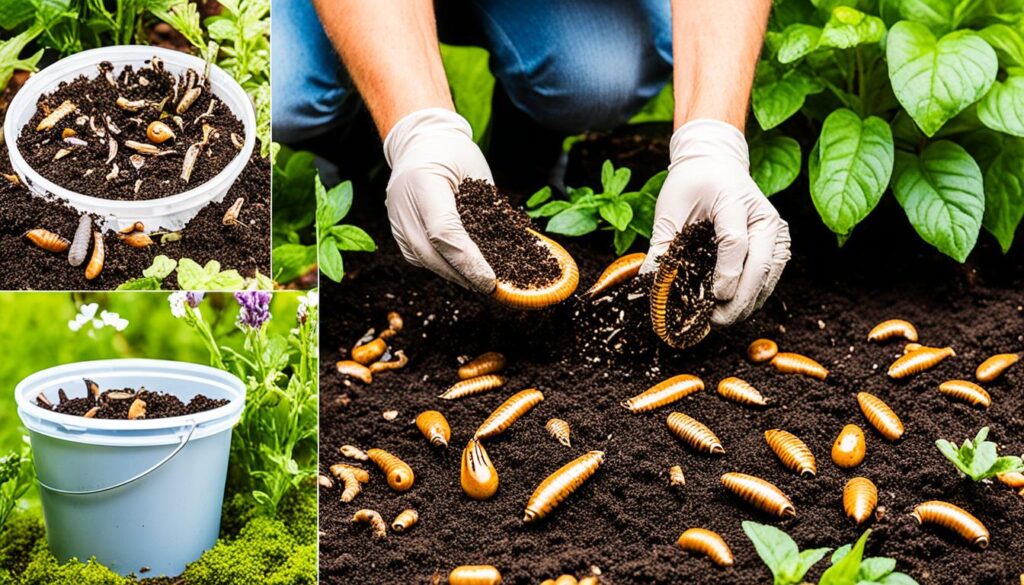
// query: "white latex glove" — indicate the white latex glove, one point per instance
point(430, 152)
point(709, 178)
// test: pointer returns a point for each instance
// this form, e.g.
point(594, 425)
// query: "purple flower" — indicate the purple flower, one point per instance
point(255, 308)
point(194, 298)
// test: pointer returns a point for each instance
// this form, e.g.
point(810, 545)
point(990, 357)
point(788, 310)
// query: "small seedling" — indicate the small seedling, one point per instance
point(780, 553)
point(978, 460)
point(849, 567)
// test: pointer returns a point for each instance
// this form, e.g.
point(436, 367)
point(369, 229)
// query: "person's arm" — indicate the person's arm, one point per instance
point(715, 45)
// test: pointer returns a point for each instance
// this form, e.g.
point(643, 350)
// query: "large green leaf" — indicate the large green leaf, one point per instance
point(937, 15)
point(573, 222)
point(471, 83)
point(849, 27)
point(933, 79)
point(797, 41)
point(778, 95)
point(850, 168)
point(1002, 108)
point(1008, 43)
point(1004, 192)
point(774, 163)
point(943, 196)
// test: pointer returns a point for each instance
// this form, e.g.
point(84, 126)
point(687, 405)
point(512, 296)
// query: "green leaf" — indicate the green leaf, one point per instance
point(934, 14)
point(352, 239)
point(898, 579)
point(11, 49)
point(849, 27)
point(550, 208)
point(953, 454)
point(933, 79)
point(643, 212)
point(943, 196)
point(844, 572)
point(161, 268)
point(654, 184)
point(614, 181)
point(471, 83)
point(607, 174)
point(774, 546)
point(333, 205)
point(1002, 108)
point(1005, 464)
point(539, 197)
point(623, 240)
point(1007, 42)
point(572, 222)
point(978, 459)
point(774, 163)
point(146, 283)
point(777, 96)
point(576, 195)
point(849, 168)
point(798, 40)
point(874, 568)
point(618, 213)
point(192, 276)
point(330, 261)
point(291, 261)
point(808, 559)
point(984, 457)
point(840, 553)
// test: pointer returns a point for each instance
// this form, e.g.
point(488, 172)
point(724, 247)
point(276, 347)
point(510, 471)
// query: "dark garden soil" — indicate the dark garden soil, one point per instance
point(23, 266)
point(116, 403)
point(516, 255)
point(626, 519)
point(82, 162)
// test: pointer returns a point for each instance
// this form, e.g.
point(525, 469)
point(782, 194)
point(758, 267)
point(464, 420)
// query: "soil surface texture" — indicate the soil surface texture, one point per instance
point(115, 404)
point(24, 266)
point(516, 256)
point(76, 152)
point(626, 519)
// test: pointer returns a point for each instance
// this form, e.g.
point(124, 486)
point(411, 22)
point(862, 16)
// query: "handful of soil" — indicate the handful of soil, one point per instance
point(127, 404)
point(681, 296)
point(136, 135)
point(516, 255)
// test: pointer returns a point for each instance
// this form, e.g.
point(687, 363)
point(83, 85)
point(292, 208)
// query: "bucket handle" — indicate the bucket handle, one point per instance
point(159, 464)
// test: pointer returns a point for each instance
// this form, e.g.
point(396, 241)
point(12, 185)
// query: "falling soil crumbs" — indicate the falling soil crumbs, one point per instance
point(625, 520)
point(116, 404)
point(500, 232)
point(101, 148)
point(691, 259)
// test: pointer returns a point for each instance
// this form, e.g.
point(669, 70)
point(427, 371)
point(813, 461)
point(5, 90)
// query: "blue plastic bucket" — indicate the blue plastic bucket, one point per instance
point(141, 496)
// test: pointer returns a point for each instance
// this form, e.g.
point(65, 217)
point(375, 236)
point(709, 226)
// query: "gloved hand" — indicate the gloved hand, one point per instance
point(709, 178)
point(430, 152)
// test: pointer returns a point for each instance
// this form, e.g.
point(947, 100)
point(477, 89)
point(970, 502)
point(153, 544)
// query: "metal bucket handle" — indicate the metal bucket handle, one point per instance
point(158, 465)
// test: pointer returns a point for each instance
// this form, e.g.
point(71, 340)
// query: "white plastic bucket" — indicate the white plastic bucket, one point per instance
point(141, 495)
point(171, 213)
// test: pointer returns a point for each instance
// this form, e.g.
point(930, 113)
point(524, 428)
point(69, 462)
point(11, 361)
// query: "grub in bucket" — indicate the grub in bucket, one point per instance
point(131, 404)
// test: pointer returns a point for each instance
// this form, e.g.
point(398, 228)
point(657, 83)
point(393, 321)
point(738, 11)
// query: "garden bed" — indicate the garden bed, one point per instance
point(626, 519)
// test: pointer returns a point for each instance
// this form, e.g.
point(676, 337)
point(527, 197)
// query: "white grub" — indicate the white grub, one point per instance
point(111, 150)
point(179, 122)
point(237, 141)
point(137, 161)
point(207, 113)
point(138, 183)
point(75, 141)
point(188, 99)
point(130, 105)
point(114, 172)
point(81, 120)
point(391, 415)
point(62, 153)
point(62, 111)
point(87, 172)
point(111, 126)
point(142, 147)
point(231, 215)
point(353, 452)
point(143, 81)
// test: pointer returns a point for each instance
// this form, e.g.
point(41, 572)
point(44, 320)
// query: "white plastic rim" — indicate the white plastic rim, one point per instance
point(180, 379)
point(170, 213)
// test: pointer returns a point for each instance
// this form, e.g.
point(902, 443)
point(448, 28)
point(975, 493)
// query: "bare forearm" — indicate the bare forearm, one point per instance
point(390, 50)
point(716, 44)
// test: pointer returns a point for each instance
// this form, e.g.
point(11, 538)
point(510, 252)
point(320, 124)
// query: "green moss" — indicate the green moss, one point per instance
point(18, 541)
point(264, 552)
point(298, 511)
point(45, 570)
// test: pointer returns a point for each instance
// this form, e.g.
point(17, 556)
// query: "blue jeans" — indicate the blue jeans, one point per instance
point(571, 65)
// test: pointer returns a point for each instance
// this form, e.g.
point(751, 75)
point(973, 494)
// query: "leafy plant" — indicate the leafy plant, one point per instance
point(15, 479)
point(849, 567)
point(471, 84)
point(332, 237)
point(192, 276)
point(627, 214)
point(780, 552)
point(10, 51)
point(978, 459)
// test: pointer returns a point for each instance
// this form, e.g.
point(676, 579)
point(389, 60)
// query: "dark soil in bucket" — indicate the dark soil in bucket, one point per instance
point(24, 266)
point(625, 520)
point(118, 404)
point(75, 152)
point(516, 255)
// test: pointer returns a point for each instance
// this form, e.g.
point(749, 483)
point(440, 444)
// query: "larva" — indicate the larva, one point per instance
point(355, 370)
point(555, 292)
point(559, 430)
point(136, 239)
point(359, 473)
point(324, 481)
point(95, 265)
point(48, 240)
point(591, 580)
point(762, 350)
point(158, 132)
point(372, 517)
point(434, 427)
point(405, 520)
point(880, 416)
point(860, 496)
point(849, 448)
point(353, 452)
point(491, 362)
point(474, 575)
point(664, 392)
point(694, 434)
point(398, 363)
point(509, 412)
point(369, 352)
point(80, 243)
point(911, 347)
point(994, 366)
point(400, 476)
point(676, 477)
point(791, 451)
point(794, 363)
point(660, 292)
point(965, 391)
point(477, 474)
point(473, 386)
point(137, 410)
point(395, 325)
point(741, 392)
point(619, 271)
point(1013, 479)
point(707, 543)
point(893, 328)
point(59, 113)
point(952, 518)
point(560, 484)
point(919, 361)
point(349, 479)
point(759, 493)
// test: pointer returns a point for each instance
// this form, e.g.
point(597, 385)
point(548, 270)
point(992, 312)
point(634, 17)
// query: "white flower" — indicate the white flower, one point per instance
point(114, 320)
point(177, 301)
point(85, 314)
